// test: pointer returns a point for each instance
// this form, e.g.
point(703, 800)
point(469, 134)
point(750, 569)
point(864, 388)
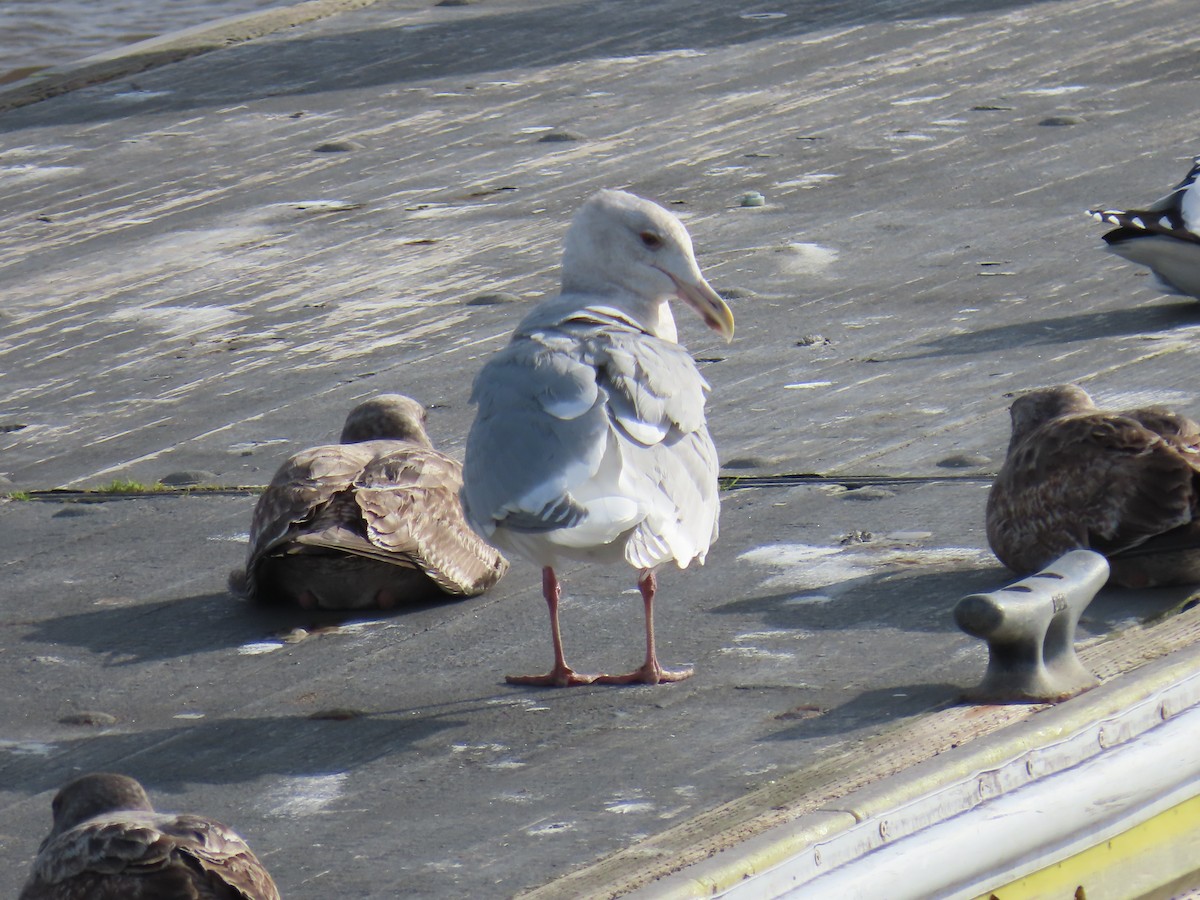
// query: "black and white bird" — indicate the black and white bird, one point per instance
point(374, 521)
point(1164, 237)
point(590, 441)
point(1125, 484)
point(108, 843)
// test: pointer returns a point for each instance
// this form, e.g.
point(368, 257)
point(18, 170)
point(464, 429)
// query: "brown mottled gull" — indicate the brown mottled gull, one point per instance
point(373, 521)
point(1164, 237)
point(108, 843)
point(590, 441)
point(1123, 484)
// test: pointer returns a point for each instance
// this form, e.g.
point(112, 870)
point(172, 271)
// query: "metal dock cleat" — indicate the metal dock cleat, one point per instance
point(1030, 626)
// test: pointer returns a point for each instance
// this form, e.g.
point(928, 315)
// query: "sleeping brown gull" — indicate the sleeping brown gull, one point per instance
point(108, 843)
point(1164, 237)
point(1123, 484)
point(372, 521)
point(590, 441)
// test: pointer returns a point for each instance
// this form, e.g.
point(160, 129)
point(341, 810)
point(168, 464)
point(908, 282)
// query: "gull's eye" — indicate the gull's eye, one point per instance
point(650, 240)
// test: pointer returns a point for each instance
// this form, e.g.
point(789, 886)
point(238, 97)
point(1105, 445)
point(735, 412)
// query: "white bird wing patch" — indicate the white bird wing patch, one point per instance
point(1177, 215)
point(1182, 205)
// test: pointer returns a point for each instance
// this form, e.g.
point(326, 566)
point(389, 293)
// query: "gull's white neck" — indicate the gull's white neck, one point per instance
point(651, 316)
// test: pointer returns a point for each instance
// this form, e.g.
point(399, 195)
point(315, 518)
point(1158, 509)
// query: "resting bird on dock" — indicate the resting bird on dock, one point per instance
point(108, 843)
point(1164, 237)
point(1125, 484)
point(590, 441)
point(371, 522)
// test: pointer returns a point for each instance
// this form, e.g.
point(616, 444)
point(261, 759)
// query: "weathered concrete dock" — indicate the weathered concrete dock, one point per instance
point(205, 260)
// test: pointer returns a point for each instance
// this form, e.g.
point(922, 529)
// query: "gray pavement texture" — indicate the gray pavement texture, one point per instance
point(190, 285)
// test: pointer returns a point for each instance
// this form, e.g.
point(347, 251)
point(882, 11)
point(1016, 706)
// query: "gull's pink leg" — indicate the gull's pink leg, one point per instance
point(650, 672)
point(561, 675)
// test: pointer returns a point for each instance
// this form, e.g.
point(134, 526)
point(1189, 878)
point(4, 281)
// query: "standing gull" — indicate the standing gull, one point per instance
point(590, 441)
point(1123, 484)
point(108, 843)
point(372, 521)
point(1164, 237)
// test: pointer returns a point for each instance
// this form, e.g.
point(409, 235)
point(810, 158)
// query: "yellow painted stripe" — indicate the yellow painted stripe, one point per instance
point(1141, 862)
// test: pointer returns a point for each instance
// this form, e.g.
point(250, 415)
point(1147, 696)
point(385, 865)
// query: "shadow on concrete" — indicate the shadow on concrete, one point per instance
point(920, 602)
point(229, 751)
point(1147, 319)
point(482, 42)
point(1116, 608)
point(149, 631)
point(871, 709)
point(924, 602)
point(171, 629)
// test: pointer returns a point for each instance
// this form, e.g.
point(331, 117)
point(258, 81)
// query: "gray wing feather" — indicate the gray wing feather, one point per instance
point(653, 385)
point(656, 396)
point(681, 498)
point(540, 430)
point(552, 403)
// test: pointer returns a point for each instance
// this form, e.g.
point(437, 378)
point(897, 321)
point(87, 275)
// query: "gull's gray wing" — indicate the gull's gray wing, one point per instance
point(589, 431)
point(656, 402)
point(540, 431)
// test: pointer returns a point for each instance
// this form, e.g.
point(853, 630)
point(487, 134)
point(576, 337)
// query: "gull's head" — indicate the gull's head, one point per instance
point(391, 417)
point(1035, 408)
point(620, 244)
point(93, 795)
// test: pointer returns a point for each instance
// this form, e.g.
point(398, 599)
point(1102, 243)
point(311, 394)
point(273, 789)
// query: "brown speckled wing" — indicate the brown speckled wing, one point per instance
point(299, 493)
point(1179, 430)
point(1173, 556)
point(140, 856)
point(1102, 481)
point(224, 857)
point(409, 501)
